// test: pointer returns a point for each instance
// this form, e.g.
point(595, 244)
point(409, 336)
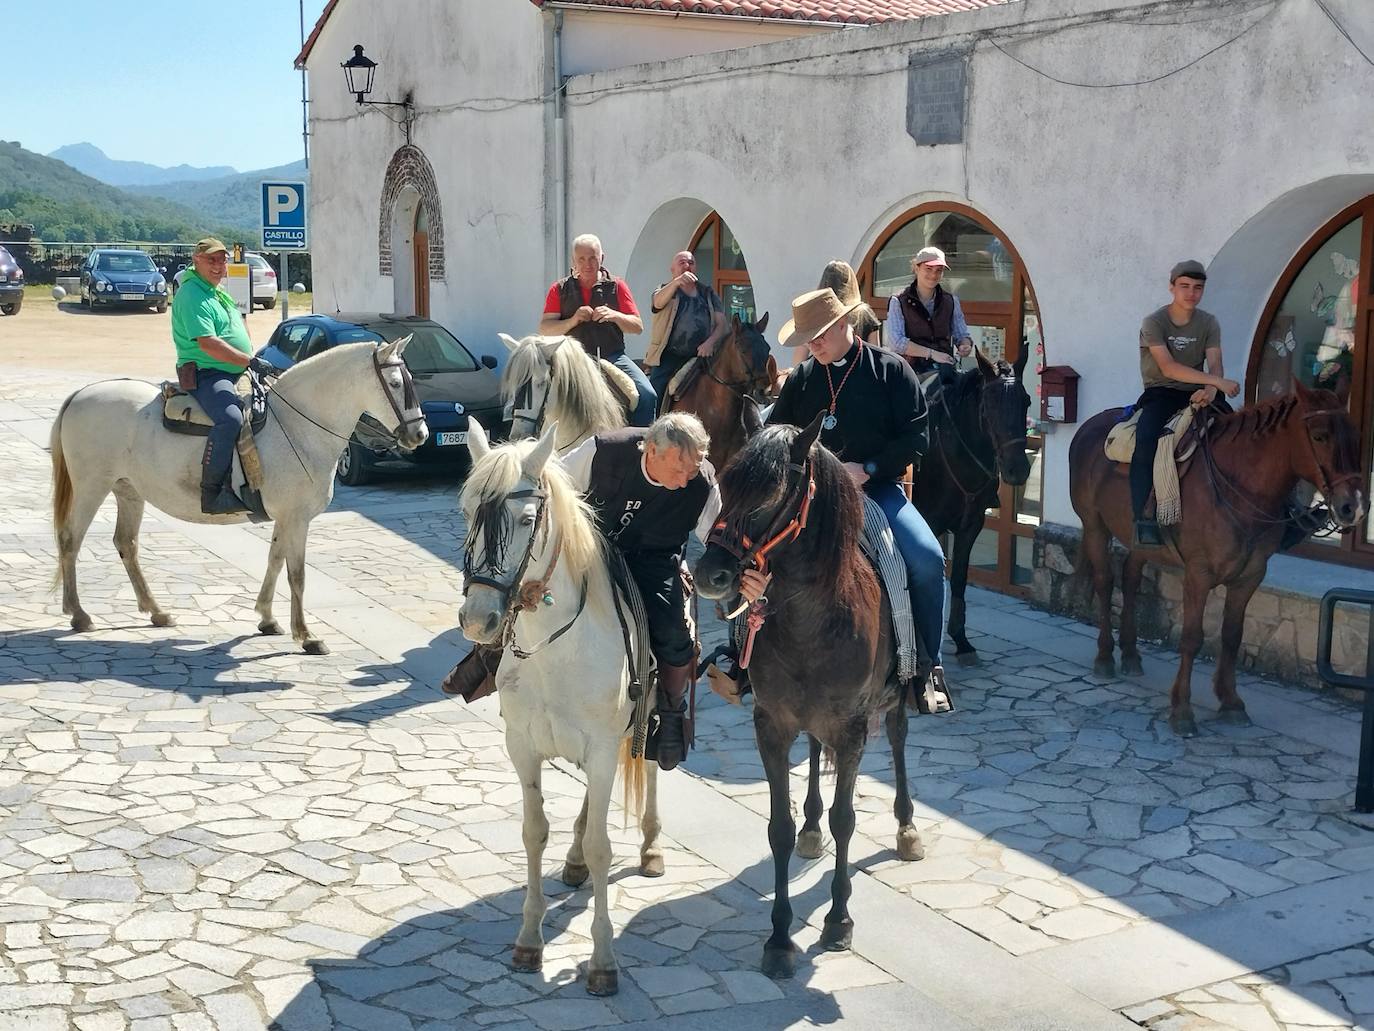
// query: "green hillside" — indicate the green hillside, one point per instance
point(63, 204)
point(231, 199)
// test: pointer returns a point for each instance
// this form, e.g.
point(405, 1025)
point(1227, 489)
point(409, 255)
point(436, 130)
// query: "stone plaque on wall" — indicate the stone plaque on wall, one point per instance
point(935, 97)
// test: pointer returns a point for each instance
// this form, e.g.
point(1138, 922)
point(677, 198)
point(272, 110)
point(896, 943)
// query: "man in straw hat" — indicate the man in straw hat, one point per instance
point(875, 422)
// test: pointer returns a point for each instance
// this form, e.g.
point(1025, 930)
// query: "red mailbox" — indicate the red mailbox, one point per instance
point(1058, 394)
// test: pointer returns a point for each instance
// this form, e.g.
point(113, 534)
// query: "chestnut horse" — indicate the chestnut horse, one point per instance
point(1234, 497)
point(741, 368)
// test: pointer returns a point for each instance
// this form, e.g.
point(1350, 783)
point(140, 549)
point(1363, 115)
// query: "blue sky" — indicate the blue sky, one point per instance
point(168, 83)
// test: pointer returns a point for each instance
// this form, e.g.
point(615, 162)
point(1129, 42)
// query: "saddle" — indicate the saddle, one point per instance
point(1173, 455)
point(182, 413)
point(684, 378)
point(621, 385)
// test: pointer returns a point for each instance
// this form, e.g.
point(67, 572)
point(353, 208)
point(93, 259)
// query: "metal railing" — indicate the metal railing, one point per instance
point(43, 261)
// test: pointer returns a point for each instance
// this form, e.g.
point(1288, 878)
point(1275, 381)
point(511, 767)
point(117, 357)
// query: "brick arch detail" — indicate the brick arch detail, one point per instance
point(410, 167)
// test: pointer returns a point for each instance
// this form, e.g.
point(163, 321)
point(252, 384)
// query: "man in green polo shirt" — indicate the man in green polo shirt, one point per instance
point(209, 333)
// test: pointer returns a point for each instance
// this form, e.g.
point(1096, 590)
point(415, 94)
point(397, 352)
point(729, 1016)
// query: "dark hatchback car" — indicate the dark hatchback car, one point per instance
point(11, 284)
point(122, 278)
point(450, 382)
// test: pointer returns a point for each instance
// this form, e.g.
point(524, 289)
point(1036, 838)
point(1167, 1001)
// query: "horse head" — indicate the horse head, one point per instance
point(399, 413)
point(555, 379)
point(525, 384)
point(1002, 406)
point(752, 364)
point(1325, 452)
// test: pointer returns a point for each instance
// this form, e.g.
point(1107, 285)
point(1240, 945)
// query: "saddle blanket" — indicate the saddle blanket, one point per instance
point(881, 548)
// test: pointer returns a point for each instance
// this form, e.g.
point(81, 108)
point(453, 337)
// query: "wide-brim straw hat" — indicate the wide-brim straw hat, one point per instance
point(812, 314)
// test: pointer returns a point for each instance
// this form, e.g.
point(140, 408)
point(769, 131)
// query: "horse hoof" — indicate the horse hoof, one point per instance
point(1131, 666)
point(969, 658)
point(1183, 726)
point(527, 959)
point(780, 963)
point(811, 844)
point(837, 936)
point(650, 865)
point(575, 875)
point(1235, 715)
point(82, 623)
point(164, 619)
point(1104, 667)
point(603, 982)
point(909, 845)
point(314, 646)
point(269, 628)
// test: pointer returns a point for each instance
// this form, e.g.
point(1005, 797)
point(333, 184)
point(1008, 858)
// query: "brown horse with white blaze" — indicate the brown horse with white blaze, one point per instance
point(1234, 503)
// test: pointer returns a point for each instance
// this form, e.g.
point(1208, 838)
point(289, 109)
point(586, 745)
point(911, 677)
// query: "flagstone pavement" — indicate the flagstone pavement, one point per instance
point(202, 829)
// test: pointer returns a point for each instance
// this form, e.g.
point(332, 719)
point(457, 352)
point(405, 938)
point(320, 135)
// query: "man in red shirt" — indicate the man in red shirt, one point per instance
point(596, 309)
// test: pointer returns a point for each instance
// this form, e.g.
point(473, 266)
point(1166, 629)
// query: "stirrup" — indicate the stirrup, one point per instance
point(223, 502)
point(931, 695)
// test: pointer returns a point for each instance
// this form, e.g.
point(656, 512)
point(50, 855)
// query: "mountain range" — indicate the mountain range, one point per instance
point(231, 199)
point(90, 160)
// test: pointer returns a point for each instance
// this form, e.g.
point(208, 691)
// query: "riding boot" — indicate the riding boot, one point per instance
point(475, 676)
point(672, 735)
point(216, 497)
point(723, 674)
point(931, 695)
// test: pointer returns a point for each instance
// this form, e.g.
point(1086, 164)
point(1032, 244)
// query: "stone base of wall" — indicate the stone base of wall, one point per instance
point(1280, 626)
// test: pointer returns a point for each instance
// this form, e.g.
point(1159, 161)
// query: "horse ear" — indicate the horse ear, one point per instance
point(772, 372)
point(536, 460)
point(400, 345)
point(510, 341)
point(1020, 366)
point(549, 345)
point(734, 323)
point(1301, 390)
point(478, 446)
point(801, 444)
point(762, 323)
point(753, 418)
point(985, 366)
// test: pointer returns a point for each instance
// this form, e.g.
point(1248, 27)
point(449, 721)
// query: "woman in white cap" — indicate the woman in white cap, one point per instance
point(925, 322)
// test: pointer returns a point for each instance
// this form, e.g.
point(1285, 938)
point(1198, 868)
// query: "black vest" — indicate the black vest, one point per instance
point(933, 331)
point(598, 339)
point(633, 513)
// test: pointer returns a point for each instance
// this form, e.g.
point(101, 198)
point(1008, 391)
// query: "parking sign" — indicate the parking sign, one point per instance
point(283, 217)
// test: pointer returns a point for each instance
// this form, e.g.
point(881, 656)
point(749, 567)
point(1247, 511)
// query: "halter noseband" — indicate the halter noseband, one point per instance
point(783, 529)
point(407, 392)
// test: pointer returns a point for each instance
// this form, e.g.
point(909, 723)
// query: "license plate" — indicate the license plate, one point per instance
point(452, 437)
point(131, 297)
point(4, 279)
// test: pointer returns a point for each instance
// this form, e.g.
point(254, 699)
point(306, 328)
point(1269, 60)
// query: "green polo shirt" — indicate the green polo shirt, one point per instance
point(201, 310)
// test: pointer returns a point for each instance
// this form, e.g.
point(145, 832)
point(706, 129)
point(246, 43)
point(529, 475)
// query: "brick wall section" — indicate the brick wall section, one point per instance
point(410, 167)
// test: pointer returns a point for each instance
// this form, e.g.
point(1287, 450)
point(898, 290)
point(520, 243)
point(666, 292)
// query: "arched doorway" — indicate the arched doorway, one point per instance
point(420, 261)
point(721, 266)
point(990, 280)
point(1318, 327)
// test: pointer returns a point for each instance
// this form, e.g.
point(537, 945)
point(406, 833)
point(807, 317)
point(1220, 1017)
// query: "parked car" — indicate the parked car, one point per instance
point(122, 278)
point(450, 382)
point(264, 279)
point(11, 284)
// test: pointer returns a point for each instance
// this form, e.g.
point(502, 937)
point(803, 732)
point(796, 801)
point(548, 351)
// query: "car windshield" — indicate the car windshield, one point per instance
point(125, 263)
point(433, 348)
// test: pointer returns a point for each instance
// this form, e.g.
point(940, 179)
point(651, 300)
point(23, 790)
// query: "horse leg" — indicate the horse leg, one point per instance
point(1130, 589)
point(650, 851)
point(602, 977)
point(837, 933)
point(811, 842)
point(293, 546)
point(774, 741)
point(70, 535)
point(964, 653)
point(1238, 597)
point(128, 519)
point(528, 954)
point(267, 624)
point(1195, 591)
point(1097, 551)
point(909, 845)
point(575, 872)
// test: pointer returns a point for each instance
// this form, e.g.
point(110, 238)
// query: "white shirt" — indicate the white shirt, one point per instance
point(578, 465)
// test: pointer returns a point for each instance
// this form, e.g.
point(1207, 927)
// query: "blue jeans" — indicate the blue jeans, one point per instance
point(218, 395)
point(645, 410)
point(662, 374)
point(925, 562)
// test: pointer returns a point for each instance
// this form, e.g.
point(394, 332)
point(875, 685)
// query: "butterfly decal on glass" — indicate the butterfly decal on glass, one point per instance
point(1323, 303)
point(1285, 345)
point(1346, 268)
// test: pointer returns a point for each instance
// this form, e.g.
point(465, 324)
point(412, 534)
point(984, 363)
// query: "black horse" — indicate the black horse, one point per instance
point(824, 660)
point(977, 430)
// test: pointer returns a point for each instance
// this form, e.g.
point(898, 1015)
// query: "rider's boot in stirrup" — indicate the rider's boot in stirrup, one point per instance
point(216, 498)
point(673, 734)
point(475, 676)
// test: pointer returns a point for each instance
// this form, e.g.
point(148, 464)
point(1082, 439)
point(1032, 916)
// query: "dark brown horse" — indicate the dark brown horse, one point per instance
point(977, 438)
point(1234, 502)
point(824, 660)
point(741, 368)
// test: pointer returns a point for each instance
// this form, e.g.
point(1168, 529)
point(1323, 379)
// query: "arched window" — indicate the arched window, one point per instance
point(721, 266)
point(1317, 329)
point(988, 277)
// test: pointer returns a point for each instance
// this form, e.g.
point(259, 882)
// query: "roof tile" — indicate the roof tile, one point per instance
point(852, 12)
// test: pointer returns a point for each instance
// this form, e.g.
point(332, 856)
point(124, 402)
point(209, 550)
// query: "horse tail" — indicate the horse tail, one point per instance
point(632, 779)
point(61, 488)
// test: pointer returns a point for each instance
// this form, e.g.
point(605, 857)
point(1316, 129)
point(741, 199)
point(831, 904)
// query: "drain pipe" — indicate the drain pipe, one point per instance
point(555, 151)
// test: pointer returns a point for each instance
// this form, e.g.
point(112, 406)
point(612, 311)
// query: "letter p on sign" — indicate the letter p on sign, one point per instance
point(280, 200)
point(283, 216)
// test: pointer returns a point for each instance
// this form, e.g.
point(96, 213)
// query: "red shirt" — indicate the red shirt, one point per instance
point(553, 305)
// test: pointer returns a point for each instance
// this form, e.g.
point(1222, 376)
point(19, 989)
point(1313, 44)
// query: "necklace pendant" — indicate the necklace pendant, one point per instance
point(828, 423)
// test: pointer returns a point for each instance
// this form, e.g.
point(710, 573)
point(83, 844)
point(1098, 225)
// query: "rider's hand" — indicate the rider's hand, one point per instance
point(585, 314)
point(706, 349)
point(603, 313)
point(1230, 387)
point(1203, 396)
point(856, 473)
point(965, 348)
point(687, 278)
point(940, 358)
point(753, 584)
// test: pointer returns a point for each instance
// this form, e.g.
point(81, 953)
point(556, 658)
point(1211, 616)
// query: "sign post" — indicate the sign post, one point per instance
point(283, 227)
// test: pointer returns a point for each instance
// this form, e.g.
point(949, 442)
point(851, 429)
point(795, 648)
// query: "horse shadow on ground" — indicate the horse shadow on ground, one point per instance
point(194, 668)
point(420, 669)
point(688, 953)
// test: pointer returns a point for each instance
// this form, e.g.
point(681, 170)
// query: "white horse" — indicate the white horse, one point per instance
point(533, 551)
point(554, 380)
point(109, 436)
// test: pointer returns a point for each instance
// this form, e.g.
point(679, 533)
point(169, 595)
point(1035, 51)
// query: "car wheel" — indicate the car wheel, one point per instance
point(87, 300)
point(161, 307)
point(269, 304)
point(355, 465)
point(12, 309)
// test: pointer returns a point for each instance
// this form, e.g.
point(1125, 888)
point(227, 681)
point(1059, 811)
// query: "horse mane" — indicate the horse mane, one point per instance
point(1264, 419)
point(493, 479)
point(579, 398)
point(845, 581)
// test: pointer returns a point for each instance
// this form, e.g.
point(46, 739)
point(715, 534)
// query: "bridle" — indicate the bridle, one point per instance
point(950, 427)
point(523, 396)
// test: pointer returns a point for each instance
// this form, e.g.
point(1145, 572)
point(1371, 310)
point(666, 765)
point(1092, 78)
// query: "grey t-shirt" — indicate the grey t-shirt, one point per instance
point(1187, 345)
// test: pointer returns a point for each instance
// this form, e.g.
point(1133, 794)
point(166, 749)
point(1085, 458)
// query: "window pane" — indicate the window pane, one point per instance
point(705, 254)
point(731, 257)
point(1022, 561)
point(1032, 340)
point(984, 553)
point(738, 299)
point(980, 266)
point(1027, 496)
point(991, 340)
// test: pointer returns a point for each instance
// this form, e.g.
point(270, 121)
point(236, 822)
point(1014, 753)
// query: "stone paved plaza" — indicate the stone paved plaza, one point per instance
point(205, 830)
